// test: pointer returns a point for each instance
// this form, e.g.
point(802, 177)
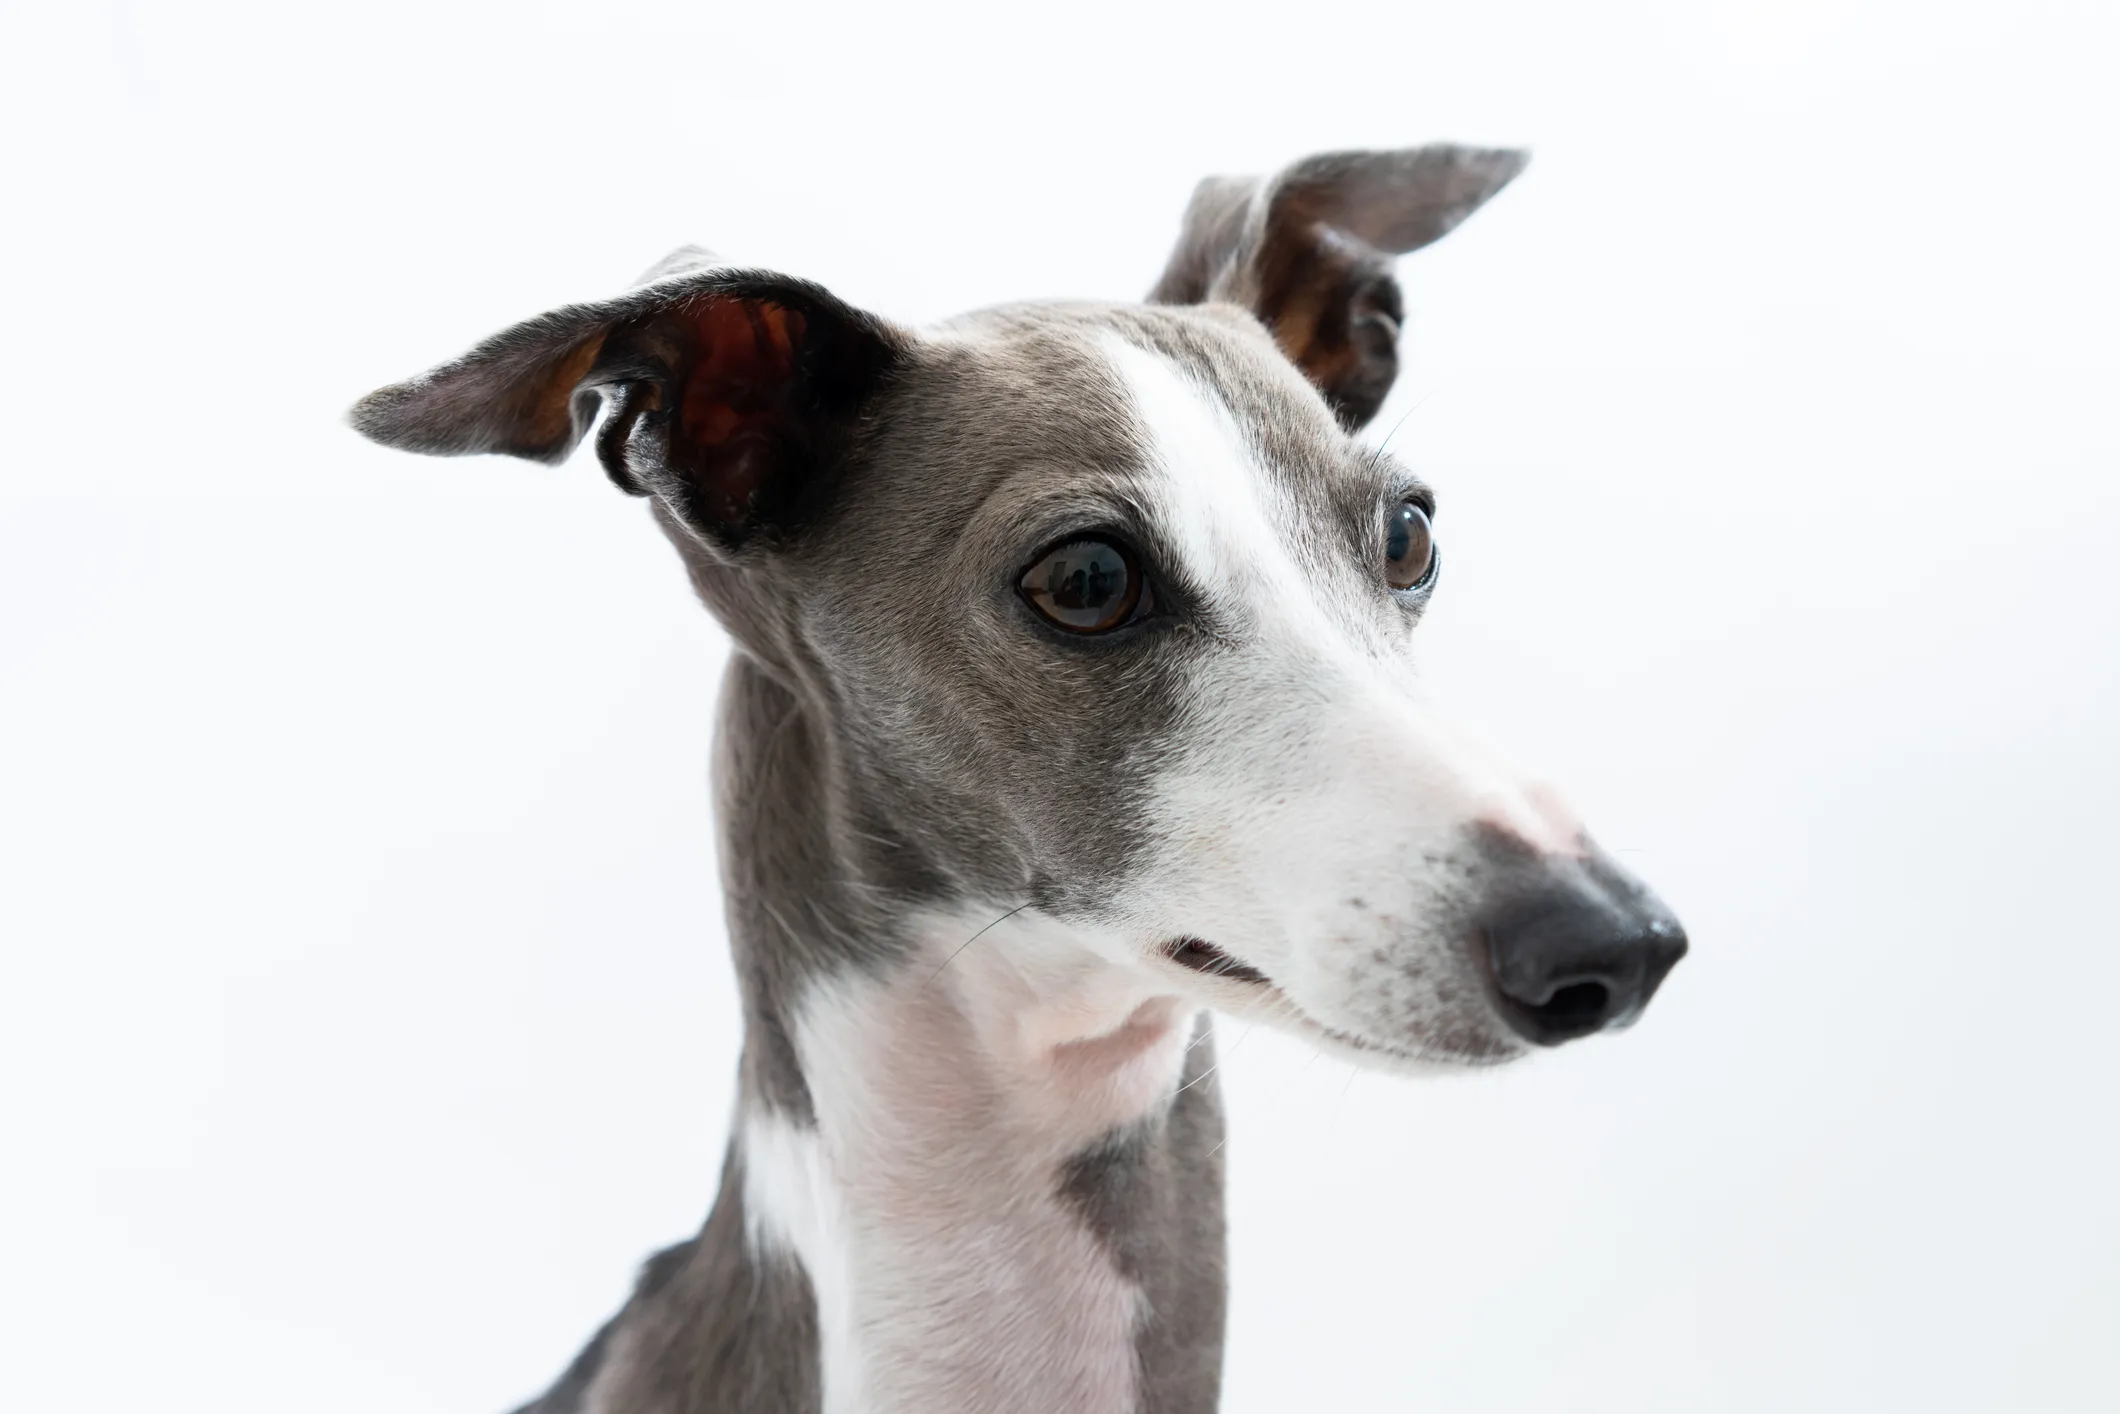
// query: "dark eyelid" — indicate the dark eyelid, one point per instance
point(1176, 596)
point(1100, 531)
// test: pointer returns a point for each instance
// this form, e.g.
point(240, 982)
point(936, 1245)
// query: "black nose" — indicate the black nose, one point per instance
point(1581, 949)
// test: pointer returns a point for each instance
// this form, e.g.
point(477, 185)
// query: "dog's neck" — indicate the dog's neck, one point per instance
point(942, 1199)
point(990, 1148)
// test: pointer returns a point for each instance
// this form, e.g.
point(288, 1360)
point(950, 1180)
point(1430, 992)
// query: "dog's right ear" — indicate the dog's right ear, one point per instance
point(1309, 250)
point(732, 394)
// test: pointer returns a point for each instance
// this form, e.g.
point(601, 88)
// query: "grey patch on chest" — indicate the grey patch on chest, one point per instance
point(1152, 1193)
point(710, 1329)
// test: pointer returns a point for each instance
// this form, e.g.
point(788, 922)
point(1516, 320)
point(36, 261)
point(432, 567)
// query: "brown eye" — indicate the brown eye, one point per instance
point(1409, 547)
point(1084, 586)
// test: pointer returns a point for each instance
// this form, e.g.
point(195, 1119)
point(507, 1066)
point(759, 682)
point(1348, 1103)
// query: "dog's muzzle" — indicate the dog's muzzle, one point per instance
point(1576, 946)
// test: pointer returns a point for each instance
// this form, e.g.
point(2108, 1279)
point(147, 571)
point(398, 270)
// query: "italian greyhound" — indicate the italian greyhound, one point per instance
point(1071, 699)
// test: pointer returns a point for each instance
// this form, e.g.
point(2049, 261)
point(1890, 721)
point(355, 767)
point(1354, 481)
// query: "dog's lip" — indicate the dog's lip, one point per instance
point(1333, 1035)
point(1199, 955)
point(1250, 992)
point(1249, 983)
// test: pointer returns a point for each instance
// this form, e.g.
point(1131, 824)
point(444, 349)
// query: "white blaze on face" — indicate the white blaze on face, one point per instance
point(1308, 823)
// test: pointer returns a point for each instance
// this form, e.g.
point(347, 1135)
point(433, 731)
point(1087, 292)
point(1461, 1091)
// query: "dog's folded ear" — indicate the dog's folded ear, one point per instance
point(732, 393)
point(1309, 250)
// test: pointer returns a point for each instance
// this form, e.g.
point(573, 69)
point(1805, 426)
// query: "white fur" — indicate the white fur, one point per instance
point(925, 1204)
point(1317, 790)
point(792, 1206)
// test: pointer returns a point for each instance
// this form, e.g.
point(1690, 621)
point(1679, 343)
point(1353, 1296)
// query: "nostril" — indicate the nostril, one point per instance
point(1564, 973)
point(1553, 1010)
point(1574, 1010)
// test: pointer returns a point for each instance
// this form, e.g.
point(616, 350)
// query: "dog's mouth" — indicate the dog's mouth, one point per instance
point(1262, 997)
point(1209, 960)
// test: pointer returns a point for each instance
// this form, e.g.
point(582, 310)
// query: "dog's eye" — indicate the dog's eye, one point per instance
point(1409, 547)
point(1085, 586)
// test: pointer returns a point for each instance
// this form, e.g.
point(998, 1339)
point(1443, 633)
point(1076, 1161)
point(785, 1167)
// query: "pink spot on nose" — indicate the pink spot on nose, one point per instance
point(1537, 814)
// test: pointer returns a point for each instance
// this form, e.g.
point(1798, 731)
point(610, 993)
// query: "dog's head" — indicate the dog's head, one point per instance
point(1103, 608)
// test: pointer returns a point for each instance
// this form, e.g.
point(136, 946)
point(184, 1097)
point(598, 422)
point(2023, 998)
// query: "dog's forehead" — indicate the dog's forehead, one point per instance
point(1222, 351)
point(1157, 409)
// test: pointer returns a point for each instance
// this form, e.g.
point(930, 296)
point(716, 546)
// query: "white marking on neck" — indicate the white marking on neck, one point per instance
point(951, 1275)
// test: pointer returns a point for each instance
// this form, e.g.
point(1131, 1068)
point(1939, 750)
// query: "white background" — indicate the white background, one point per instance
point(365, 1016)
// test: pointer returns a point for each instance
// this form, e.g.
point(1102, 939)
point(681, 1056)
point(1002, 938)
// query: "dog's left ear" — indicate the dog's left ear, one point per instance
point(734, 394)
point(1309, 250)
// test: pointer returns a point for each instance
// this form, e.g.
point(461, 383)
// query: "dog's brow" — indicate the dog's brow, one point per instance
point(1401, 482)
point(1033, 508)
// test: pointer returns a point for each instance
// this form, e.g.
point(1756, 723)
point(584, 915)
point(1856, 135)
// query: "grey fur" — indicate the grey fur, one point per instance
point(1154, 1194)
point(710, 1329)
point(884, 739)
point(836, 820)
point(873, 754)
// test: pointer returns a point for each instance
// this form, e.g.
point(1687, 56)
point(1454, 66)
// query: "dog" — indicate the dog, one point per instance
point(1070, 701)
